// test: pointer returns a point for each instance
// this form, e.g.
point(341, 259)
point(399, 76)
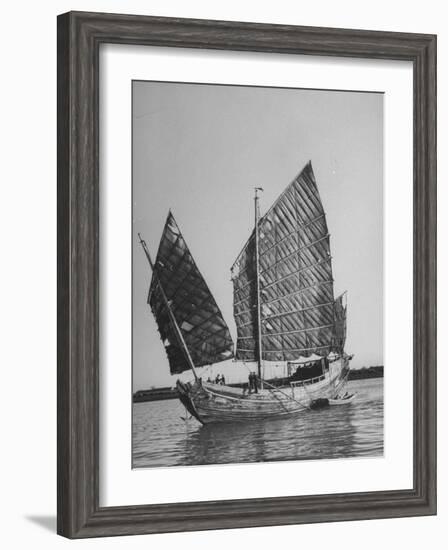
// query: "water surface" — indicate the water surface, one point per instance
point(162, 438)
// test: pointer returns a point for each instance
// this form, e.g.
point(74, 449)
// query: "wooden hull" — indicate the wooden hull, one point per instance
point(211, 403)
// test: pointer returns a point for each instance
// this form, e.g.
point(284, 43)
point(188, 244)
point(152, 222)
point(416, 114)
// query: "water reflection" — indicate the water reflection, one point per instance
point(161, 438)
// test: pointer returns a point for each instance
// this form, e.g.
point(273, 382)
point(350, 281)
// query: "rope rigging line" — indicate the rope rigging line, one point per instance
point(279, 390)
point(286, 395)
point(272, 390)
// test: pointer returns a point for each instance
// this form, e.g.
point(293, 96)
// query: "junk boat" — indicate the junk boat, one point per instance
point(284, 309)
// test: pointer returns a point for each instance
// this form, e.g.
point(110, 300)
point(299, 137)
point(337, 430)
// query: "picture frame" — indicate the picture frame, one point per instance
point(80, 35)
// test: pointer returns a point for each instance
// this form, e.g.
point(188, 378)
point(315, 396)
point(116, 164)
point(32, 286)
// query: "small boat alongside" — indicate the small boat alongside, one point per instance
point(344, 400)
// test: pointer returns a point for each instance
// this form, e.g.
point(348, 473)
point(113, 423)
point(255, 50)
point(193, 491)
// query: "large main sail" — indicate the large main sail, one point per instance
point(198, 317)
point(296, 282)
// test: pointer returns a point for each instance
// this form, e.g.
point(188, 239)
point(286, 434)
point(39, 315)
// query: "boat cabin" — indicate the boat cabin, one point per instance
point(307, 370)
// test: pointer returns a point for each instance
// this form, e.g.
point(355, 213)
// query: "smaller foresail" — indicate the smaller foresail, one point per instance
point(205, 333)
point(340, 323)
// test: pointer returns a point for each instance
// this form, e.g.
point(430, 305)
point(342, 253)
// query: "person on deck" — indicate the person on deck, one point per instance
point(217, 379)
point(255, 379)
point(223, 380)
point(253, 385)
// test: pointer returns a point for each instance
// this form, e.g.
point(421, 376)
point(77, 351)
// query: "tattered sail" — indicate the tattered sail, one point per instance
point(203, 328)
point(296, 282)
point(340, 324)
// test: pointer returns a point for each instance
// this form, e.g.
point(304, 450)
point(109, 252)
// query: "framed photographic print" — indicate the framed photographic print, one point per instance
point(246, 274)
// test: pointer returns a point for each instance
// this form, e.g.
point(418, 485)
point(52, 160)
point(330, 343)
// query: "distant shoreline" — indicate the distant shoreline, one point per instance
point(161, 394)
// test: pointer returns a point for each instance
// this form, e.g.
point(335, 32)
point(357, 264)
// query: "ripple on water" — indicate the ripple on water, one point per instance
point(162, 438)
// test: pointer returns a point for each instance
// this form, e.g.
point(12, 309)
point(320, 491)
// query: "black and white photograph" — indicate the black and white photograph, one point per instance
point(221, 248)
point(257, 274)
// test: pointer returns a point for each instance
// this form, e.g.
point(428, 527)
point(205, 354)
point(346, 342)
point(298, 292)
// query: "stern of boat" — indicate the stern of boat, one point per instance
point(340, 377)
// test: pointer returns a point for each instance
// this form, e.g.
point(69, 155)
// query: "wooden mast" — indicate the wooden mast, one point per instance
point(257, 264)
point(176, 327)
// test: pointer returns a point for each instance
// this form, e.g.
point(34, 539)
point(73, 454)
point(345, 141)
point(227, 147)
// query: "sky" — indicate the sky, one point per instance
point(200, 150)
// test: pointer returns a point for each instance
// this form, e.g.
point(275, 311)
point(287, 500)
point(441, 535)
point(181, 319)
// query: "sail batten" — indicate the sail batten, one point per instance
point(303, 268)
point(194, 308)
point(308, 329)
point(297, 307)
point(294, 273)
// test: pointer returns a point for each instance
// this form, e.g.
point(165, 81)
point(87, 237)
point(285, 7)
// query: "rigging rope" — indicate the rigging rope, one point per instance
point(285, 394)
point(279, 390)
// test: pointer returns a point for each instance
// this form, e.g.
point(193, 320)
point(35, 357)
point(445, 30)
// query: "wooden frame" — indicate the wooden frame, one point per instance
point(79, 38)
